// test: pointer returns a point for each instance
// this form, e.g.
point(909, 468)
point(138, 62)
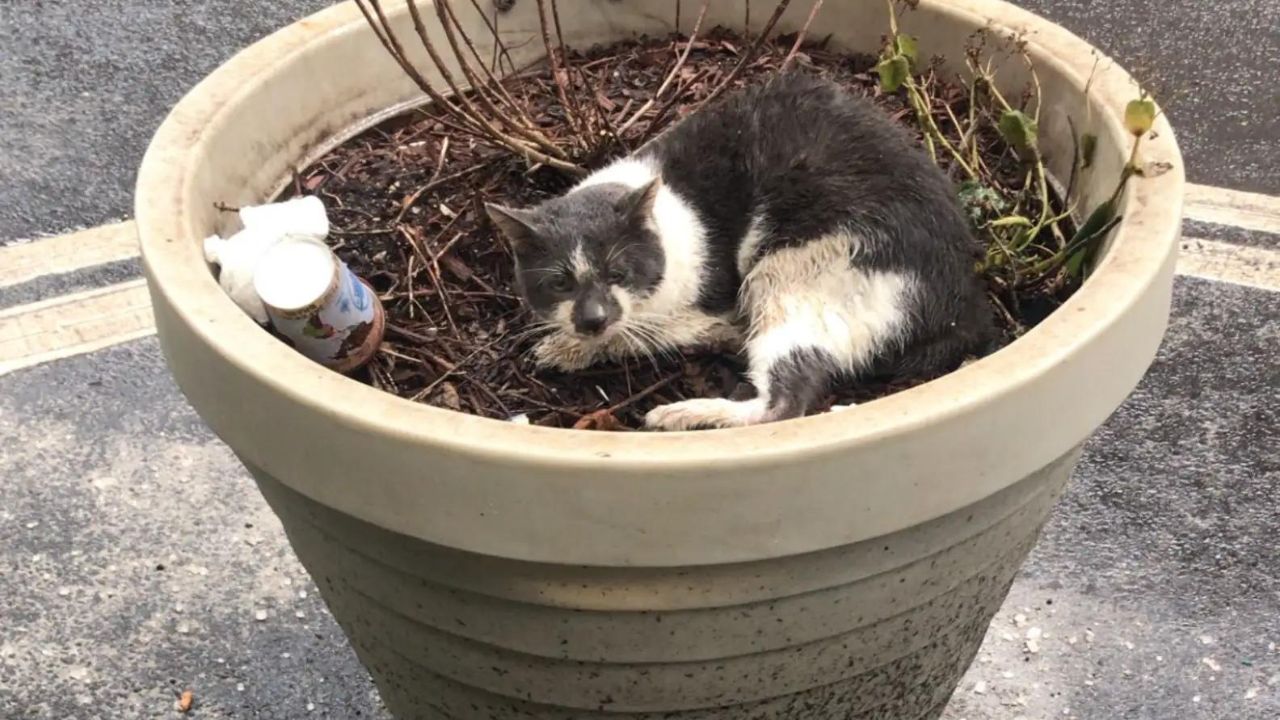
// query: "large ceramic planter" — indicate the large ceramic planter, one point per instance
point(841, 566)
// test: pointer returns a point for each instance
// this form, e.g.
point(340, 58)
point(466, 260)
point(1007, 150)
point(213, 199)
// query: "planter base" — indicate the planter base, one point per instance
point(879, 629)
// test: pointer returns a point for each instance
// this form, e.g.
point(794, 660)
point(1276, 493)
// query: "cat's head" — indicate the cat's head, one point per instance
point(586, 259)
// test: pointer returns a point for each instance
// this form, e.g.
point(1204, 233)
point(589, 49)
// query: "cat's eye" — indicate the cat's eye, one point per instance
point(561, 283)
point(617, 277)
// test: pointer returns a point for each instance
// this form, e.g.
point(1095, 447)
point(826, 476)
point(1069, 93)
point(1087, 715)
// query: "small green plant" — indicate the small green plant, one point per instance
point(1030, 247)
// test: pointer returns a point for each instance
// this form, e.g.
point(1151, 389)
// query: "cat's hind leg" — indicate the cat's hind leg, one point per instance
point(815, 315)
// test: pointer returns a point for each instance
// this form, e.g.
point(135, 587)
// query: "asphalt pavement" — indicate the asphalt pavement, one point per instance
point(137, 558)
point(84, 85)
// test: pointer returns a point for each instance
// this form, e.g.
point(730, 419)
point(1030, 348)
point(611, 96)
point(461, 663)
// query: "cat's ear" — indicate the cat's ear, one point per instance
point(638, 204)
point(517, 226)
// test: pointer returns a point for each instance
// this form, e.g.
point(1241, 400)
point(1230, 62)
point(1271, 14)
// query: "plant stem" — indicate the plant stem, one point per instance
point(675, 70)
point(795, 47)
point(931, 127)
point(523, 126)
point(559, 74)
point(749, 55)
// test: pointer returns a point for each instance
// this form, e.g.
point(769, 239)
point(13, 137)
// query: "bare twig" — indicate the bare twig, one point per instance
point(748, 55)
point(795, 47)
point(470, 109)
point(435, 176)
point(609, 128)
point(675, 71)
point(524, 125)
point(463, 111)
point(559, 73)
point(646, 392)
point(659, 117)
point(382, 29)
point(499, 47)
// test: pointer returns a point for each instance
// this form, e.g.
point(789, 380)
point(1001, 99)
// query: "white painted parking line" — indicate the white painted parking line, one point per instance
point(111, 243)
point(67, 253)
point(1220, 206)
point(89, 321)
point(85, 322)
point(74, 325)
point(1236, 264)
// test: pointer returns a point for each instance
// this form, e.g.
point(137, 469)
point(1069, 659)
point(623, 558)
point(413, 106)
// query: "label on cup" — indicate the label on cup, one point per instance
point(318, 306)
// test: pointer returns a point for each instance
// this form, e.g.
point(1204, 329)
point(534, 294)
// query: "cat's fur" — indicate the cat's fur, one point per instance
point(791, 217)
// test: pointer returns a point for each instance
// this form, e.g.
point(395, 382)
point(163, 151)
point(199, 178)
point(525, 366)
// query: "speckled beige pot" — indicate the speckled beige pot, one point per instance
point(842, 566)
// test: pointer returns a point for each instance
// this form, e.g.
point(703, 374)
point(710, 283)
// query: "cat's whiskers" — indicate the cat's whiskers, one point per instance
point(655, 326)
point(651, 339)
point(637, 347)
point(637, 342)
point(539, 327)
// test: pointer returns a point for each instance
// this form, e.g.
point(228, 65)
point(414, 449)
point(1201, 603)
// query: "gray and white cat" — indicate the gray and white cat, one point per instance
point(792, 218)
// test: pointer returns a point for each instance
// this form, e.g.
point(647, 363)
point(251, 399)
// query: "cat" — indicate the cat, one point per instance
point(791, 219)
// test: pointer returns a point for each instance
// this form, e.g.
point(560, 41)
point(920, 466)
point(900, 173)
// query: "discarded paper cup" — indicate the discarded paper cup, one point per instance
point(317, 305)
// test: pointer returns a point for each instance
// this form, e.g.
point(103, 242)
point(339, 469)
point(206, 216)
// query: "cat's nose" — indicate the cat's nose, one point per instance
point(592, 318)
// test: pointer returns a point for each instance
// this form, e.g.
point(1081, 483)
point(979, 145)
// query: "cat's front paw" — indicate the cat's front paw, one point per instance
point(560, 351)
point(706, 414)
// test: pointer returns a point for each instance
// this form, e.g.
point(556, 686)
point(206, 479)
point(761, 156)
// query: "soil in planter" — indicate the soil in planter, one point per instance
point(405, 201)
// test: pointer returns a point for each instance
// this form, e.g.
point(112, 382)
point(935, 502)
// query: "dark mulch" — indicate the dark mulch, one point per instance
point(405, 203)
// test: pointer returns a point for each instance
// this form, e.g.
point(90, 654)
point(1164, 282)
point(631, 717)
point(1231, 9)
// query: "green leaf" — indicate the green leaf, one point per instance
point(1075, 263)
point(1019, 130)
point(1139, 116)
point(1088, 235)
point(893, 73)
point(1088, 148)
point(1096, 221)
point(907, 46)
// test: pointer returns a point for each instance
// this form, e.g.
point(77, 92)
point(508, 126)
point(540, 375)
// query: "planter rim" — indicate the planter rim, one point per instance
point(1140, 258)
point(1140, 247)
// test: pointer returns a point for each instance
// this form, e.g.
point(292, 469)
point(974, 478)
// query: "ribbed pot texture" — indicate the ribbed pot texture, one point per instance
point(880, 629)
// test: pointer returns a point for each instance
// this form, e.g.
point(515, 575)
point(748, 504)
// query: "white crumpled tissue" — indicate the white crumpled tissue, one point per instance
point(264, 225)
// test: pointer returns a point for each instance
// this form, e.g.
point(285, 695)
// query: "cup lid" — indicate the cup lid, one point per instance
point(294, 274)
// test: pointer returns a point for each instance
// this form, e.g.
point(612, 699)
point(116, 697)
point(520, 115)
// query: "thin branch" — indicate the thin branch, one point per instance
point(675, 71)
point(645, 392)
point(564, 65)
point(470, 109)
point(795, 47)
point(559, 74)
point(498, 45)
point(382, 29)
point(749, 55)
point(466, 115)
point(484, 88)
point(603, 114)
point(435, 178)
point(656, 124)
